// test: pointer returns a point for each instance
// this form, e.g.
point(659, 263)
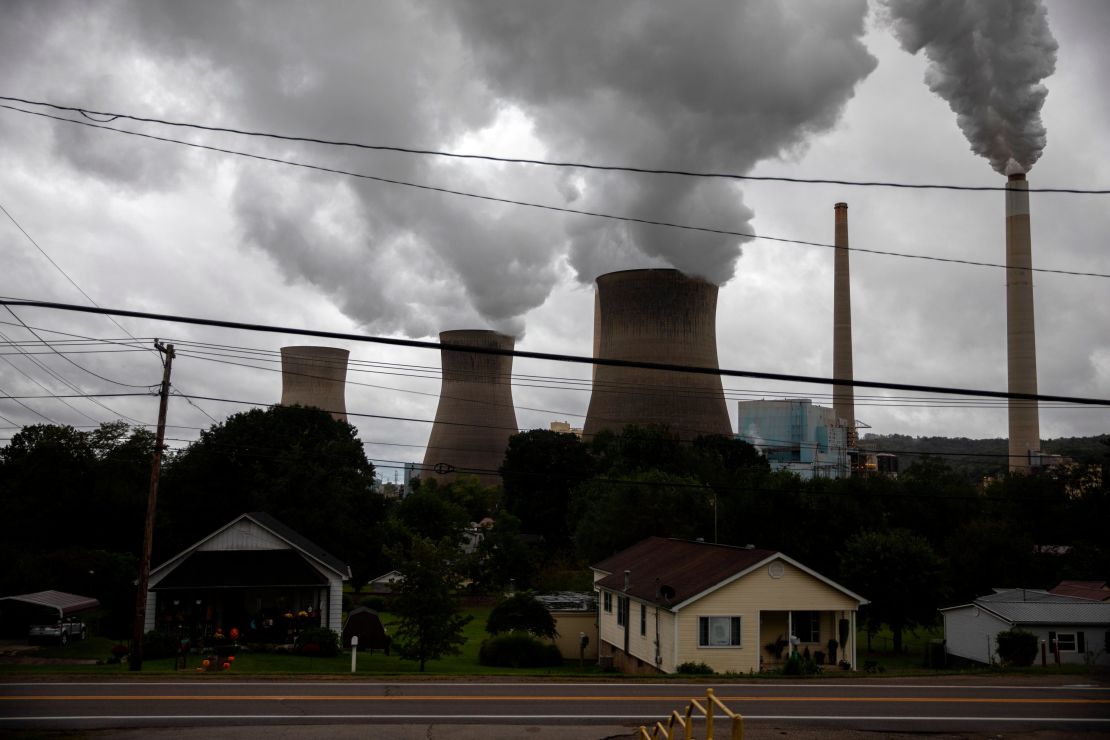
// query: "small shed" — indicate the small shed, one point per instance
point(365, 623)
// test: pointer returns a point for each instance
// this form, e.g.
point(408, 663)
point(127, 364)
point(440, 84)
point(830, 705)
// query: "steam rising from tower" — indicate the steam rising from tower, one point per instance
point(656, 316)
point(1021, 345)
point(315, 376)
point(844, 404)
point(475, 417)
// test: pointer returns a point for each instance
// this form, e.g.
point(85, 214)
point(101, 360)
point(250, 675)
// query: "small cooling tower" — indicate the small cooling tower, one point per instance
point(656, 316)
point(315, 376)
point(475, 417)
point(1021, 344)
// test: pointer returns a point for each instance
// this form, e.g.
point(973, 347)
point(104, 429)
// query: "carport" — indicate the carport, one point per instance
point(18, 613)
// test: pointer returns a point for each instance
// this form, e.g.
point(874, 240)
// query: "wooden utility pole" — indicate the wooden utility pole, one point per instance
point(136, 658)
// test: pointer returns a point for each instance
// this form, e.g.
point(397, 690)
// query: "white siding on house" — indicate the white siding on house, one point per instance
point(244, 535)
point(970, 632)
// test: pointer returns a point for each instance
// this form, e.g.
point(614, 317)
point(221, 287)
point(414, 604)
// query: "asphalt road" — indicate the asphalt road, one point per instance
point(549, 710)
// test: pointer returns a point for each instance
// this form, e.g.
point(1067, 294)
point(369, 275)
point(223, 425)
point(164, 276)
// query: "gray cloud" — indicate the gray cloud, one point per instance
point(988, 60)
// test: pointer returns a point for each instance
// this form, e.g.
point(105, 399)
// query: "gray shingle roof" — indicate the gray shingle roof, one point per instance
point(298, 540)
point(1031, 606)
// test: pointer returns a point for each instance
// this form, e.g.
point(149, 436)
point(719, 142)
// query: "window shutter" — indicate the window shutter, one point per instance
point(735, 631)
point(1081, 642)
point(1052, 641)
point(703, 631)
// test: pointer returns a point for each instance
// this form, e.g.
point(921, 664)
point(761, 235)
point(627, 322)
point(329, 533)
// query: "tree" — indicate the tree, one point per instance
point(427, 602)
point(541, 469)
point(297, 464)
point(502, 557)
point(899, 573)
point(521, 612)
point(429, 512)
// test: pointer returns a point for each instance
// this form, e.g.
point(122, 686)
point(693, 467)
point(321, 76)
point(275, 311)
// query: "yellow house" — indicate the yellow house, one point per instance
point(665, 602)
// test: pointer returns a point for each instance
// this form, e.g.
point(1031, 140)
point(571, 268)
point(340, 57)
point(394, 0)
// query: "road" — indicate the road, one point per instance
point(549, 710)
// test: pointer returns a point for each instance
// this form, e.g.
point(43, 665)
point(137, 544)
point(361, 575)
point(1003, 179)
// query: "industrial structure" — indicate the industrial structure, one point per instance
point(475, 417)
point(795, 435)
point(1021, 345)
point(844, 404)
point(315, 376)
point(657, 316)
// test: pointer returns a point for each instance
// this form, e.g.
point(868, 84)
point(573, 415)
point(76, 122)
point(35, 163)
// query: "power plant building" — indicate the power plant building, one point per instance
point(658, 316)
point(316, 377)
point(475, 417)
point(797, 436)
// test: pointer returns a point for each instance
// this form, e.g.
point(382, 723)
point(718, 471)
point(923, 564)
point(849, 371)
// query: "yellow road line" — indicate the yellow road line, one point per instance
point(348, 697)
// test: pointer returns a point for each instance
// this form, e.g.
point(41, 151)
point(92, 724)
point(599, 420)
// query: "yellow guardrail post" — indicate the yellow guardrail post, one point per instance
point(667, 731)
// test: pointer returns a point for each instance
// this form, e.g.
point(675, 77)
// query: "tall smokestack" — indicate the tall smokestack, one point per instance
point(844, 399)
point(475, 417)
point(1021, 345)
point(315, 376)
point(656, 316)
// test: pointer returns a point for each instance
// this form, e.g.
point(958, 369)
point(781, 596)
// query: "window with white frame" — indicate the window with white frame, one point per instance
point(1067, 642)
point(607, 601)
point(807, 626)
point(718, 632)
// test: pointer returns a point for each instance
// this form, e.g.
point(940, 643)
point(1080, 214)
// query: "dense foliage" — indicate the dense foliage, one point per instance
point(518, 650)
point(521, 612)
point(1016, 647)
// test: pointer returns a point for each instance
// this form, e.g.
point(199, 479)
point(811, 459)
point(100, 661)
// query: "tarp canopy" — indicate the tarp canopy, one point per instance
point(64, 603)
point(241, 569)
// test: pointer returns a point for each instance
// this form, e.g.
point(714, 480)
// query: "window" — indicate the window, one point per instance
point(807, 626)
point(1066, 641)
point(622, 611)
point(718, 631)
point(643, 619)
point(607, 601)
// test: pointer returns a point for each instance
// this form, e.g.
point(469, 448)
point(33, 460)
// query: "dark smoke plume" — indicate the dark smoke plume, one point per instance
point(987, 59)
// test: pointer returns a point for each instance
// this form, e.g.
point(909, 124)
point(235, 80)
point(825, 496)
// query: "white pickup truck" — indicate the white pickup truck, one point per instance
point(60, 632)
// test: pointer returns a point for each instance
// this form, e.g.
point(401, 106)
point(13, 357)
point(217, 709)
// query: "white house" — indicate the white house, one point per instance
point(1078, 627)
point(252, 574)
point(665, 602)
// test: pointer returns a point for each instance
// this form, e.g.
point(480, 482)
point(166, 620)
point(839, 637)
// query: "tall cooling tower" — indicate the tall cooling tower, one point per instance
point(656, 316)
point(844, 399)
point(315, 376)
point(475, 417)
point(1021, 345)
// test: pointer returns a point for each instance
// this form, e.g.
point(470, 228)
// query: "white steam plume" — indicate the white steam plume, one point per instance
point(988, 59)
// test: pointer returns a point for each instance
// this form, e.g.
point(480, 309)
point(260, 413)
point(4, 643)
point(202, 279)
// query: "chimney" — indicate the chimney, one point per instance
point(1021, 346)
point(844, 403)
point(475, 417)
point(656, 316)
point(315, 376)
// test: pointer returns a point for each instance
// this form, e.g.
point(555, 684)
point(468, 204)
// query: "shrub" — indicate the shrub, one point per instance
point(521, 613)
point(799, 666)
point(518, 650)
point(1017, 647)
point(317, 641)
point(776, 647)
point(160, 645)
point(696, 669)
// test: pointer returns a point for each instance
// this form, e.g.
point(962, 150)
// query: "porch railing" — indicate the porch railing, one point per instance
point(684, 722)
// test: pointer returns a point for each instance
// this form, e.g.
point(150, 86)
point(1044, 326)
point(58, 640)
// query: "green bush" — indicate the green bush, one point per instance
point(796, 665)
point(1017, 647)
point(521, 613)
point(160, 645)
point(317, 642)
point(518, 650)
point(696, 669)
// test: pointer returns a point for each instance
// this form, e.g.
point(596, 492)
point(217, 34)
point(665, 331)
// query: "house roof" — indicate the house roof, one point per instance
point(241, 569)
point(1033, 606)
point(65, 603)
point(1096, 590)
point(689, 568)
point(280, 530)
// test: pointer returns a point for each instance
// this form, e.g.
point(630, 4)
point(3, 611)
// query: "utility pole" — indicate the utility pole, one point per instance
point(136, 658)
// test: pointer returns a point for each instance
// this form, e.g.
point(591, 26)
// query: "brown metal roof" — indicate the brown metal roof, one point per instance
point(689, 568)
point(1096, 590)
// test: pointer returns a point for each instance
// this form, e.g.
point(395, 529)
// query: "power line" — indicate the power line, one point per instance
point(563, 209)
point(539, 162)
point(694, 369)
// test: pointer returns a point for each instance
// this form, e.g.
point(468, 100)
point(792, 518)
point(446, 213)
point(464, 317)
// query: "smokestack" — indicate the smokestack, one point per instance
point(656, 316)
point(315, 376)
point(1021, 346)
point(475, 417)
point(844, 399)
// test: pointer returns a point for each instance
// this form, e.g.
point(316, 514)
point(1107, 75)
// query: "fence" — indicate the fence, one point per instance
point(684, 722)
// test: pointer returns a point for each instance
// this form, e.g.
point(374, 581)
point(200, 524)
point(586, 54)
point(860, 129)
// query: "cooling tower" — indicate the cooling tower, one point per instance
point(1021, 345)
point(475, 417)
point(656, 316)
point(315, 376)
point(844, 399)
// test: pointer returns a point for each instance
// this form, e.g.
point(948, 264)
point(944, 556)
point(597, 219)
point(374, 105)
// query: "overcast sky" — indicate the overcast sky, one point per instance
point(797, 89)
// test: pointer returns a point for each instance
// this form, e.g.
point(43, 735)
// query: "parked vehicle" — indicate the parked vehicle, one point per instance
point(60, 632)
